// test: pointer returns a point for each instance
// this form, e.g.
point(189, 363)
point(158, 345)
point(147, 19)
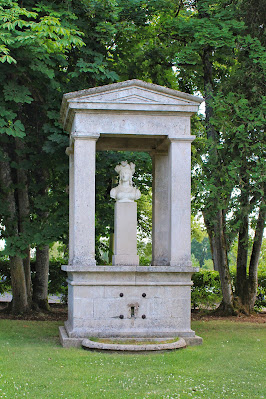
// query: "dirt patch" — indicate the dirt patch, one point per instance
point(58, 312)
point(253, 318)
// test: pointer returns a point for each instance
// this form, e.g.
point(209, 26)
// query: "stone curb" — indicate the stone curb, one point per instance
point(92, 345)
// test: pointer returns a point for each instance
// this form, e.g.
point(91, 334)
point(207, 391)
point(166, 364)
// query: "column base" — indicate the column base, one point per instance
point(125, 260)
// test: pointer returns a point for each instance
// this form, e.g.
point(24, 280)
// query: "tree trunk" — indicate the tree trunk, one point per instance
point(254, 259)
point(23, 210)
point(242, 249)
point(211, 241)
point(19, 290)
point(214, 218)
point(221, 259)
point(18, 283)
point(40, 284)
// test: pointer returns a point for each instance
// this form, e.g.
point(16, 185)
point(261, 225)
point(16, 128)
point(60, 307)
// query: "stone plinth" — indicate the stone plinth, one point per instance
point(125, 234)
point(129, 301)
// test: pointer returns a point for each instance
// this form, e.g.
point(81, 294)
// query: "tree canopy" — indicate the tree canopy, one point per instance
point(216, 48)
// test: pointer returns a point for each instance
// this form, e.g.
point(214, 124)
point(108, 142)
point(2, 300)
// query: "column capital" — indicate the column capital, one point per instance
point(182, 139)
point(156, 152)
point(79, 135)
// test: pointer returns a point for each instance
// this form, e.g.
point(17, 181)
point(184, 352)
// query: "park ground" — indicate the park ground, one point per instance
point(231, 363)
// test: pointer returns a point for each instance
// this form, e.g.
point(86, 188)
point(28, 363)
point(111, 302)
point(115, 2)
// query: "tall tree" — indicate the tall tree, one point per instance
point(33, 43)
point(43, 56)
point(242, 119)
point(212, 46)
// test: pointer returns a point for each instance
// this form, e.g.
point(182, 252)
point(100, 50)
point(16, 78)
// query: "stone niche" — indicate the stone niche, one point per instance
point(130, 301)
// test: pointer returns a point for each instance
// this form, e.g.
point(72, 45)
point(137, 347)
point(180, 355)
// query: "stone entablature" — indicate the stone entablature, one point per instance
point(124, 97)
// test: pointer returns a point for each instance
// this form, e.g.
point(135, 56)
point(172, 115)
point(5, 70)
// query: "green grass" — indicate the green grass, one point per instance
point(230, 364)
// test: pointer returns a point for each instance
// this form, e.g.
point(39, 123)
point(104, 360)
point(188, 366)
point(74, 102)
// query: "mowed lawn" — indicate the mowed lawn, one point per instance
point(230, 364)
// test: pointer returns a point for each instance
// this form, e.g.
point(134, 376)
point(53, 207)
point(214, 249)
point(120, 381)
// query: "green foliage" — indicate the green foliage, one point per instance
point(57, 278)
point(206, 289)
point(261, 291)
point(144, 252)
point(23, 28)
point(5, 278)
point(201, 250)
point(195, 261)
point(106, 179)
point(9, 125)
point(208, 264)
point(50, 48)
point(57, 284)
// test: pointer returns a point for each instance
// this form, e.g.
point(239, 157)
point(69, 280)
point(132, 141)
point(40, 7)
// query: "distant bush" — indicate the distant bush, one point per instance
point(206, 290)
point(5, 278)
point(261, 291)
point(57, 278)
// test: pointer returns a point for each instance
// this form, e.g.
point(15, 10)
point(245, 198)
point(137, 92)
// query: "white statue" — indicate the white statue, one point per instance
point(125, 192)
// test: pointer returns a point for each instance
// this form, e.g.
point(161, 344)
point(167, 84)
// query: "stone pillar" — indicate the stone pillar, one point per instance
point(160, 210)
point(70, 153)
point(82, 202)
point(180, 197)
point(125, 234)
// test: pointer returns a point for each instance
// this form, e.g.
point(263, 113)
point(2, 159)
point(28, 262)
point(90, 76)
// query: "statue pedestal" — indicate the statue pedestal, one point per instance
point(128, 302)
point(125, 252)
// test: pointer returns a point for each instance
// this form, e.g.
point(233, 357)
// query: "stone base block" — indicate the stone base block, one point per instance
point(125, 260)
point(128, 302)
point(193, 341)
point(68, 342)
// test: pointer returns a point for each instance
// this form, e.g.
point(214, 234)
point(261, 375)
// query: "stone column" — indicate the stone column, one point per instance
point(160, 210)
point(82, 197)
point(70, 153)
point(180, 197)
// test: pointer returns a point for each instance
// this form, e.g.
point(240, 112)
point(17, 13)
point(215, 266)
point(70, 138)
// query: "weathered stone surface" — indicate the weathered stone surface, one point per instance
point(92, 345)
point(125, 234)
point(193, 341)
point(67, 342)
point(161, 294)
point(134, 96)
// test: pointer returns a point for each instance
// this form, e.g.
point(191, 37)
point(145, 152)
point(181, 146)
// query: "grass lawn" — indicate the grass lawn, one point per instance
point(230, 364)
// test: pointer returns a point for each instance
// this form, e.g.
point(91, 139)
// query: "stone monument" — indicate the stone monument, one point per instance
point(126, 300)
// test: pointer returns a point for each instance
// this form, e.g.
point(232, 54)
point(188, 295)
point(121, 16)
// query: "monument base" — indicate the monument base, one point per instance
point(128, 302)
point(68, 342)
point(122, 260)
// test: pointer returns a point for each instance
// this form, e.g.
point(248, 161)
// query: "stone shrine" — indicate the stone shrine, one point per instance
point(126, 300)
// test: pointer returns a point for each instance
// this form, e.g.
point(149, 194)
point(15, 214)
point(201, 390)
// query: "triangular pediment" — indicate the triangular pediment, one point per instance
point(132, 91)
point(131, 95)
